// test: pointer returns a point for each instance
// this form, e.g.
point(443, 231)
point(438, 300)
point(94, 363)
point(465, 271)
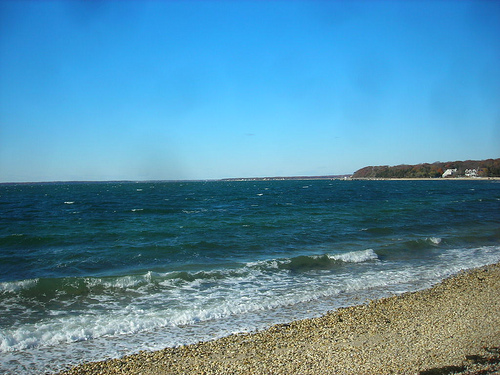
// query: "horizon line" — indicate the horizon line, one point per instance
point(297, 177)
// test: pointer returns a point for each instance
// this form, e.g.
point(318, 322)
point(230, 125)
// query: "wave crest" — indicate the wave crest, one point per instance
point(327, 261)
point(356, 256)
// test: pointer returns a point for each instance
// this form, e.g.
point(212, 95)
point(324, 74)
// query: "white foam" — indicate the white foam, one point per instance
point(14, 286)
point(273, 263)
point(435, 240)
point(356, 256)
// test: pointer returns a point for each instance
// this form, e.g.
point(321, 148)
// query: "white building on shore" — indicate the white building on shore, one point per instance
point(449, 172)
point(471, 172)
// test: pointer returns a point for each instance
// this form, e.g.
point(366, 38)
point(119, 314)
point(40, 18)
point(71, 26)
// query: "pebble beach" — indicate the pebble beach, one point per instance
point(453, 327)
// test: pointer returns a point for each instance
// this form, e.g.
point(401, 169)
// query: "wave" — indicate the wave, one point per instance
point(72, 286)
point(423, 243)
point(356, 256)
point(67, 310)
point(16, 286)
point(435, 240)
point(90, 308)
point(327, 261)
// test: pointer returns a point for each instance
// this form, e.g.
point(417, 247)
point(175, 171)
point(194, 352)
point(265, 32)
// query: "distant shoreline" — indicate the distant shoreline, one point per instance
point(249, 179)
point(450, 169)
point(426, 179)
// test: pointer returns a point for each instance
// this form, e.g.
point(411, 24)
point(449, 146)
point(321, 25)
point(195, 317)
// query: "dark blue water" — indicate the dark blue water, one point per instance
point(95, 269)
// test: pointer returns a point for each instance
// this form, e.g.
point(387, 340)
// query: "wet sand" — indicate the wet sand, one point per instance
point(453, 327)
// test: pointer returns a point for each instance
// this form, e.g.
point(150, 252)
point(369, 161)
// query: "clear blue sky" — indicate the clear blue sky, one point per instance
point(106, 90)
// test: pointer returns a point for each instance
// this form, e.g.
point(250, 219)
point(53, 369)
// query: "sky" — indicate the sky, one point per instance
point(180, 90)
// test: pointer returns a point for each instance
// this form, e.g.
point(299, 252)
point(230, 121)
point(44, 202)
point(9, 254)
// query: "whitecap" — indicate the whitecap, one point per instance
point(356, 256)
point(435, 240)
point(14, 286)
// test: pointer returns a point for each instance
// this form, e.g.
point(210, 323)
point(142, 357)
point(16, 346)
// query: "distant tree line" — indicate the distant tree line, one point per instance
point(484, 168)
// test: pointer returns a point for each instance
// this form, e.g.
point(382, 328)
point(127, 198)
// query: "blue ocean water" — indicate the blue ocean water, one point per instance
point(96, 270)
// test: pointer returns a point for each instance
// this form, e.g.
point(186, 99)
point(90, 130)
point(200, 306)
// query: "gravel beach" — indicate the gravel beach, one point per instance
point(453, 327)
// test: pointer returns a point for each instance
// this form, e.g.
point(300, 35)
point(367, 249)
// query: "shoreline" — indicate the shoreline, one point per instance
point(426, 179)
point(255, 179)
point(451, 327)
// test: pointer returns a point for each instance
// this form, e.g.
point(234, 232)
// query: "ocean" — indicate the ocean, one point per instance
point(90, 271)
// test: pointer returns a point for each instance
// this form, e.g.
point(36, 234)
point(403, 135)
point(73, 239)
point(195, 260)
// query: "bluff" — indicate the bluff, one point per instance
point(483, 168)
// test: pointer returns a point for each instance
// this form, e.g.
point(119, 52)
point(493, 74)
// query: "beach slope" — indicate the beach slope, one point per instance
point(453, 327)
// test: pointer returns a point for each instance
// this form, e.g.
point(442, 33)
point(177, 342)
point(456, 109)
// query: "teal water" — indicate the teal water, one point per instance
point(106, 269)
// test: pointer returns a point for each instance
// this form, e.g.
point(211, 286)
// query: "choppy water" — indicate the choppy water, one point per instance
point(92, 270)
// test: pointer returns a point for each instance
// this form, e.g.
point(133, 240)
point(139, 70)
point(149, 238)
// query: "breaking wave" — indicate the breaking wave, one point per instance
point(135, 303)
point(327, 261)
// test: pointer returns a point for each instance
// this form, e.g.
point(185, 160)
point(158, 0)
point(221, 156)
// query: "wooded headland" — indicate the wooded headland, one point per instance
point(450, 169)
